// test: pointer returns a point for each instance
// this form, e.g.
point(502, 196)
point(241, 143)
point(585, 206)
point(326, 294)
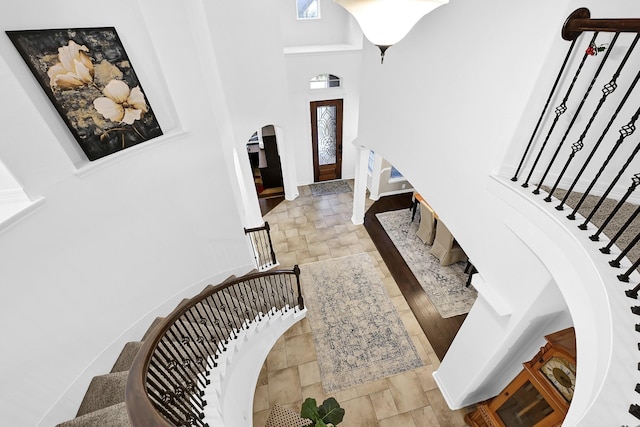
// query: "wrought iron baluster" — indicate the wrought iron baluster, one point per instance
point(260, 294)
point(273, 254)
point(296, 271)
point(184, 362)
point(624, 133)
point(607, 90)
point(209, 339)
point(560, 109)
point(544, 109)
point(251, 299)
point(224, 320)
point(200, 339)
point(168, 368)
point(189, 342)
point(635, 181)
point(633, 293)
point(221, 340)
point(277, 290)
point(173, 359)
point(575, 116)
point(622, 102)
point(174, 411)
point(624, 277)
point(167, 394)
point(240, 310)
point(232, 321)
point(616, 262)
point(607, 249)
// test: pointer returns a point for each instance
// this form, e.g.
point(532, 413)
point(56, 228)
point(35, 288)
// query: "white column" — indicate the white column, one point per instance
point(360, 184)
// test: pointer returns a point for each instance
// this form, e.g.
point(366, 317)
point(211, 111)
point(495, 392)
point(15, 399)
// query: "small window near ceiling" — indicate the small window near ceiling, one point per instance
point(324, 81)
point(308, 9)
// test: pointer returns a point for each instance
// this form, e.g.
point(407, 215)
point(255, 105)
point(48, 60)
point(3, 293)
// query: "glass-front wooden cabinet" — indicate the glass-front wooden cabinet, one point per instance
point(540, 395)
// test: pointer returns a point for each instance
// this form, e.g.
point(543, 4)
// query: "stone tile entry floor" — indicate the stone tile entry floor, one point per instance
point(310, 229)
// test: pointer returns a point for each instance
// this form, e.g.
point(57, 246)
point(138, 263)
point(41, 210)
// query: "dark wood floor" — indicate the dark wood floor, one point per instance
point(266, 204)
point(439, 331)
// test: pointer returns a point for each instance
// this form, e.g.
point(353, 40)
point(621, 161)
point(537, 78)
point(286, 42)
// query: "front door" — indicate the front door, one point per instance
point(326, 137)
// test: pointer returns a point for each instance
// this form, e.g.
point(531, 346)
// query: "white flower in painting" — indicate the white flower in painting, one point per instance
point(74, 69)
point(119, 104)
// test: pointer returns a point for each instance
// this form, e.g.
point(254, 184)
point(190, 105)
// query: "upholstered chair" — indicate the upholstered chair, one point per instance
point(445, 247)
point(427, 229)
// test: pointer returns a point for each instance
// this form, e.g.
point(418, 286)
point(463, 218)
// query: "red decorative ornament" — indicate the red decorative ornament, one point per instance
point(593, 49)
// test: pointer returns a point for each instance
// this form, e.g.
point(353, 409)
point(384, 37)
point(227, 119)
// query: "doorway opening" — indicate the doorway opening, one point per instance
point(326, 138)
point(266, 167)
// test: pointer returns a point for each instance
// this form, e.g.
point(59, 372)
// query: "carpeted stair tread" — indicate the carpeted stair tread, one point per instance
point(103, 391)
point(152, 326)
point(229, 279)
point(125, 359)
point(111, 416)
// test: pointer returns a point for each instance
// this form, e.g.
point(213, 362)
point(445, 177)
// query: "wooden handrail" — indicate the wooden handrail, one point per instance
point(580, 20)
point(140, 408)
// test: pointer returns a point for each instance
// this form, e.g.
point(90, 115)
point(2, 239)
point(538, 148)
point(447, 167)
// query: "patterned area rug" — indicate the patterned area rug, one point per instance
point(445, 286)
point(357, 331)
point(329, 187)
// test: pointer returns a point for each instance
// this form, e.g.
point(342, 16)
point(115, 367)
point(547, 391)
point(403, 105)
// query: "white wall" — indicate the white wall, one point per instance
point(334, 26)
point(455, 92)
point(117, 243)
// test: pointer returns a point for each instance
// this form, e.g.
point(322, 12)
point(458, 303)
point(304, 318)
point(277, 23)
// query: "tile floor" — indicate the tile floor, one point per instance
point(310, 229)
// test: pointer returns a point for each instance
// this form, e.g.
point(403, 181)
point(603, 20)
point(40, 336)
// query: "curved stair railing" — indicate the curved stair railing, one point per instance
point(582, 182)
point(166, 382)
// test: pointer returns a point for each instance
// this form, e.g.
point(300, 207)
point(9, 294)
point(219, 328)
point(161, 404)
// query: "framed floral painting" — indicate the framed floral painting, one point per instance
point(90, 80)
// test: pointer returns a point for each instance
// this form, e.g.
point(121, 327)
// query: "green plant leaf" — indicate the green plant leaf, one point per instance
point(331, 412)
point(310, 410)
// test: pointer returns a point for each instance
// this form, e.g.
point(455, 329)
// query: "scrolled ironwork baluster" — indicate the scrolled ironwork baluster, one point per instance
point(165, 402)
point(628, 131)
point(168, 394)
point(607, 90)
point(167, 350)
point(220, 340)
point(250, 297)
point(635, 181)
point(232, 322)
point(544, 110)
point(184, 361)
point(575, 147)
point(189, 341)
point(559, 110)
point(259, 291)
point(622, 102)
point(575, 116)
point(220, 308)
point(207, 333)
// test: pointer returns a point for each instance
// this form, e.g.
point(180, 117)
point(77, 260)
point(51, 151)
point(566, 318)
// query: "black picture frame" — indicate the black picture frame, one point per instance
point(89, 78)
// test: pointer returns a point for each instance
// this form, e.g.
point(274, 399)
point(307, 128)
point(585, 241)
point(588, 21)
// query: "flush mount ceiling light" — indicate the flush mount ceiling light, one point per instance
point(386, 22)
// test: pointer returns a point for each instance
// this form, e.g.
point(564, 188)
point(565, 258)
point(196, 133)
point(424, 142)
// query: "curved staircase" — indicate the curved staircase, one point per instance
point(240, 319)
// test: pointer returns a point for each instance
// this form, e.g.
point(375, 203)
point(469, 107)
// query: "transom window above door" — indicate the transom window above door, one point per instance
point(324, 81)
point(308, 9)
